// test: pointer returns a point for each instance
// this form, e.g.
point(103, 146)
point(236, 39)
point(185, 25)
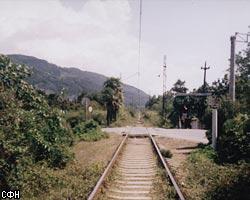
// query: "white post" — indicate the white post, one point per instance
point(179, 122)
point(214, 128)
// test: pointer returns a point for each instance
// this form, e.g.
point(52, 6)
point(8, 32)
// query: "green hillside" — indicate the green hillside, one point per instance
point(52, 79)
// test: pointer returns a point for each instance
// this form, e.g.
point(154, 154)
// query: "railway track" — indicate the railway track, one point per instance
point(134, 171)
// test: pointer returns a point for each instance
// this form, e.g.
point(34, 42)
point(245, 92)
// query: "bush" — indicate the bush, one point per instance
point(151, 118)
point(207, 180)
point(85, 127)
point(165, 123)
point(30, 130)
point(99, 117)
point(132, 112)
point(124, 118)
point(74, 118)
point(226, 111)
point(233, 127)
point(233, 183)
point(234, 142)
point(146, 115)
point(204, 152)
point(89, 131)
point(166, 153)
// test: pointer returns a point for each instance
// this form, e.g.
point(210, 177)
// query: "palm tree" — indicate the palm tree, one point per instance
point(113, 98)
point(179, 87)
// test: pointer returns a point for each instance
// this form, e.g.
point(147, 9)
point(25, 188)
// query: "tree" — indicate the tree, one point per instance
point(179, 87)
point(152, 101)
point(243, 80)
point(81, 96)
point(178, 103)
point(113, 98)
point(220, 87)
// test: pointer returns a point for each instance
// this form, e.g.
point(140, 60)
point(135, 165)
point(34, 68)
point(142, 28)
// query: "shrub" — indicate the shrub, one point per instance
point(99, 117)
point(207, 180)
point(234, 142)
point(151, 118)
point(233, 128)
point(166, 153)
point(132, 112)
point(85, 127)
point(205, 151)
point(146, 115)
point(30, 130)
point(233, 184)
point(74, 118)
point(89, 131)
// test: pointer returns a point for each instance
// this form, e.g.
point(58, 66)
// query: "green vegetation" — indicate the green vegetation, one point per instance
point(179, 87)
point(233, 118)
point(162, 188)
point(37, 132)
point(31, 131)
point(166, 153)
point(208, 180)
point(73, 182)
point(113, 98)
point(89, 131)
point(174, 106)
point(152, 115)
point(126, 117)
point(151, 118)
point(225, 174)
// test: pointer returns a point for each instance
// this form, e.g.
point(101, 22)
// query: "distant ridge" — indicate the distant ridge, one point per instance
point(52, 79)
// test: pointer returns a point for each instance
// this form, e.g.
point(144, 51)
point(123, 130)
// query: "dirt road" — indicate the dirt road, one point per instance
point(195, 135)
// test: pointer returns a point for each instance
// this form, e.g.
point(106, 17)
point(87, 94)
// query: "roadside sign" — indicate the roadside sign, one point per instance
point(213, 102)
point(90, 109)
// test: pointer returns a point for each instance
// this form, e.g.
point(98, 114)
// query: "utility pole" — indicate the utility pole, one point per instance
point(205, 68)
point(238, 37)
point(232, 70)
point(164, 86)
point(214, 127)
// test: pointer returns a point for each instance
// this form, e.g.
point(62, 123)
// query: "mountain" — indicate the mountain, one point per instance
point(52, 79)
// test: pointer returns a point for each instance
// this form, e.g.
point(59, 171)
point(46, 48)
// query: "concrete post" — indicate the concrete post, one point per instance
point(232, 70)
point(180, 122)
point(214, 128)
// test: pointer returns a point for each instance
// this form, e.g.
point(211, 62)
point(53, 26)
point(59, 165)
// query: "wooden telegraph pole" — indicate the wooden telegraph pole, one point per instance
point(205, 68)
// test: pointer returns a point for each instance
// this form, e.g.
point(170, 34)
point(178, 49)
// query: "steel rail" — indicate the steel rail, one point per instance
point(107, 170)
point(168, 172)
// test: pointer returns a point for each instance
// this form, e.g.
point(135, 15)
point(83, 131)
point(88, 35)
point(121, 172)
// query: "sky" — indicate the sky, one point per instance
point(102, 36)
